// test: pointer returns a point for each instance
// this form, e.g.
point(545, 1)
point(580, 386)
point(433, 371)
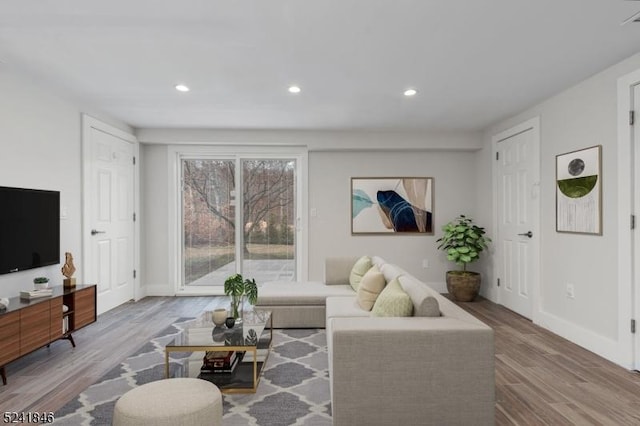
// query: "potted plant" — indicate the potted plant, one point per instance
point(237, 287)
point(41, 283)
point(463, 241)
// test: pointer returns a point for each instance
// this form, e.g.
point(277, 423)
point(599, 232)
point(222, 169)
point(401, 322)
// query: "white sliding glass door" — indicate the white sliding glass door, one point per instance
point(237, 215)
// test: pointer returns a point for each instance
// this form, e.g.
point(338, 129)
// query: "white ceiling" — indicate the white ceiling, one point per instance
point(474, 62)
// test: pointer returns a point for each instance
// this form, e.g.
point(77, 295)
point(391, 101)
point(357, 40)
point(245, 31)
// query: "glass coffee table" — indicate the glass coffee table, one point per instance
point(250, 340)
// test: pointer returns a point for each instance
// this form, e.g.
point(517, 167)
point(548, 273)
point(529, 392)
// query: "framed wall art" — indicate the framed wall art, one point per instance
point(401, 205)
point(579, 191)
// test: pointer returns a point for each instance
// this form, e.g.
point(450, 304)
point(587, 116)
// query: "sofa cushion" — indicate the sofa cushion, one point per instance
point(371, 285)
point(390, 272)
point(360, 268)
point(424, 301)
point(344, 307)
point(277, 293)
point(393, 302)
point(337, 269)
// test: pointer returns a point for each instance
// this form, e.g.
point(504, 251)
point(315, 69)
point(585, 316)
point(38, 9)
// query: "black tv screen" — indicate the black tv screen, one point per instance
point(29, 229)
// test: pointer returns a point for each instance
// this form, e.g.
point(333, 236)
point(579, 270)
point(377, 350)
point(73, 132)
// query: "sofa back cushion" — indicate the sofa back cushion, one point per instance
point(338, 269)
point(360, 268)
point(370, 287)
point(393, 302)
point(424, 302)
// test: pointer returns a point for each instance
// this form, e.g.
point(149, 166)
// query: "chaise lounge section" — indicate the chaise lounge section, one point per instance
point(412, 370)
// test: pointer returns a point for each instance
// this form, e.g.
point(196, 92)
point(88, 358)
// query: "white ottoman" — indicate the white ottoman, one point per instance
point(170, 402)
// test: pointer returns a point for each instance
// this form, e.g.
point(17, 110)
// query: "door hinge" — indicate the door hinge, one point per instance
point(498, 282)
point(134, 216)
point(134, 273)
point(134, 161)
point(497, 155)
point(633, 326)
point(632, 118)
point(633, 221)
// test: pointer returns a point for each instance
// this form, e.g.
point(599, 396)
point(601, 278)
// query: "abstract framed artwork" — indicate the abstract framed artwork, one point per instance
point(579, 191)
point(400, 205)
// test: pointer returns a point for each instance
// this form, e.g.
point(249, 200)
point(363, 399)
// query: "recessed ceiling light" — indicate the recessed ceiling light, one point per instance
point(294, 89)
point(410, 92)
point(182, 88)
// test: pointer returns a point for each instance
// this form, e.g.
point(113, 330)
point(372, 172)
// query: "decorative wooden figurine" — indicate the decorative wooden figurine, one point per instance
point(67, 270)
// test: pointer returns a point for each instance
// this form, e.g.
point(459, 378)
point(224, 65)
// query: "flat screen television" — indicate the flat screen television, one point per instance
point(29, 229)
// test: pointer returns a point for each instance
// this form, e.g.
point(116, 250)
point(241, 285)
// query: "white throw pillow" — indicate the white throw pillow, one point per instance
point(371, 285)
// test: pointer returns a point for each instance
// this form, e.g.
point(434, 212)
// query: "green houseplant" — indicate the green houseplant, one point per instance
point(40, 283)
point(463, 241)
point(237, 288)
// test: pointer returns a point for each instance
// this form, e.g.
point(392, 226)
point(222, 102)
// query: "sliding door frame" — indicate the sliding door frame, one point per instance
point(176, 153)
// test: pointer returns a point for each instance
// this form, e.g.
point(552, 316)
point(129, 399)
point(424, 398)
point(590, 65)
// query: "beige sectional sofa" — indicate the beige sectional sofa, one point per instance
point(393, 370)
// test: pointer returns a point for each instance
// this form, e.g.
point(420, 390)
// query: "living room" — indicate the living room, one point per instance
point(41, 127)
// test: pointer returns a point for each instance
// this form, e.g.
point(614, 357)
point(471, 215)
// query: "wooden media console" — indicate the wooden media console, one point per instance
point(27, 325)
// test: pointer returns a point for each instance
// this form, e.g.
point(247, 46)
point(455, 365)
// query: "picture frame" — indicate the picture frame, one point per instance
point(579, 191)
point(392, 205)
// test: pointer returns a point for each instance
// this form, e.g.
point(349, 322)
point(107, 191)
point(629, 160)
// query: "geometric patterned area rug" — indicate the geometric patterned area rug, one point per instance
point(293, 389)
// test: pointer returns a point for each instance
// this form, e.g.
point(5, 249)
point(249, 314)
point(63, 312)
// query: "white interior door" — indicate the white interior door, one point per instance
point(518, 239)
point(109, 198)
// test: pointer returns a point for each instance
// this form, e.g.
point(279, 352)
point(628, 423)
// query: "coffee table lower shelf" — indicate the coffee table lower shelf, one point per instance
point(244, 379)
point(240, 381)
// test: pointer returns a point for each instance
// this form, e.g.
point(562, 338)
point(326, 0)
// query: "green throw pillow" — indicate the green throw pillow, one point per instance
point(360, 268)
point(393, 302)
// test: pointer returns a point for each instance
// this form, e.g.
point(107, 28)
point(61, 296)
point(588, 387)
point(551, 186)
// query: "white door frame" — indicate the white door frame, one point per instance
point(89, 123)
point(628, 241)
point(214, 150)
point(533, 125)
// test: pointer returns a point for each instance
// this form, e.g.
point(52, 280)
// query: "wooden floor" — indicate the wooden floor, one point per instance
point(543, 379)
point(540, 377)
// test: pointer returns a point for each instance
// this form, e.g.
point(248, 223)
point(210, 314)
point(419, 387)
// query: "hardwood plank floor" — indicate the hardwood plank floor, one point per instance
point(541, 378)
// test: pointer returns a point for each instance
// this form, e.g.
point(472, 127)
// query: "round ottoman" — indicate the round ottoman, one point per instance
point(170, 402)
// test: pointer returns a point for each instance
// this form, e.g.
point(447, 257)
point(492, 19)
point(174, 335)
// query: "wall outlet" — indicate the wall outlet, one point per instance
point(313, 212)
point(425, 263)
point(571, 293)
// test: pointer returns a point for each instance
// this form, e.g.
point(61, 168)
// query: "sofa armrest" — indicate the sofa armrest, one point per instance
point(338, 269)
point(427, 371)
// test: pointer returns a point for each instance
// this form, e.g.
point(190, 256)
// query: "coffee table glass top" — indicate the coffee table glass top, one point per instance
point(203, 332)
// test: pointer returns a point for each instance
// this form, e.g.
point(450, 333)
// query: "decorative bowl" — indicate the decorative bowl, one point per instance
point(219, 316)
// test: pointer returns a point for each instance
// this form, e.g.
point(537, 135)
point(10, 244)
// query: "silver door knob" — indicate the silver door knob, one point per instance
point(94, 232)
point(527, 234)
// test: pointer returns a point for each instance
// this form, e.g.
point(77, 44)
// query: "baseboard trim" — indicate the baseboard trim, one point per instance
point(158, 290)
point(598, 344)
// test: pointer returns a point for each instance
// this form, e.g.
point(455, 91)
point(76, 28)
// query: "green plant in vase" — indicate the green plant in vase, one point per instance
point(40, 283)
point(463, 241)
point(238, 288)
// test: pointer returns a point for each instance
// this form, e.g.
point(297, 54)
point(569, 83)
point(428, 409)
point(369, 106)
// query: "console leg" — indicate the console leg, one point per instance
point(3, 373)
point(69, 337)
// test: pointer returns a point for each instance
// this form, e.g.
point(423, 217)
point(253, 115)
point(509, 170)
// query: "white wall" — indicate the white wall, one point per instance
point(329, 193)
point(154, 179)
point(330, 176)
point(40, 141)
point(580, 117)
point(320, 140)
